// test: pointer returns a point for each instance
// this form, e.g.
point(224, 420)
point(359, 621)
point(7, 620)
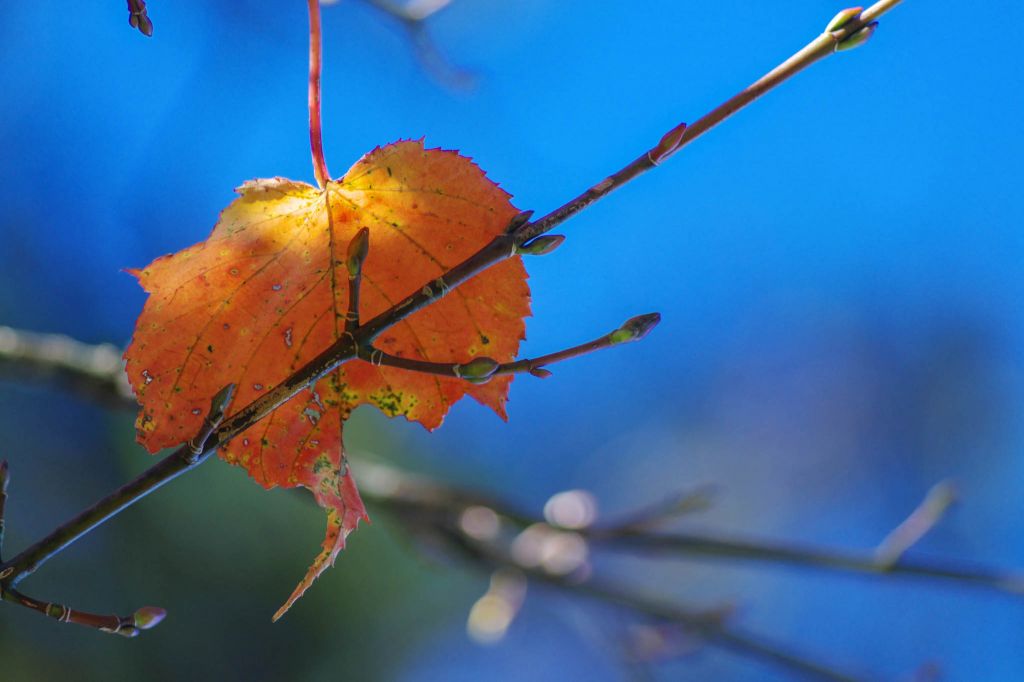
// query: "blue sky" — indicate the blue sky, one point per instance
point(839, 267)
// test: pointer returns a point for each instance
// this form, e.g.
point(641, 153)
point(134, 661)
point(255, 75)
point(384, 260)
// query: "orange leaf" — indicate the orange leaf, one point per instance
point(268, 291)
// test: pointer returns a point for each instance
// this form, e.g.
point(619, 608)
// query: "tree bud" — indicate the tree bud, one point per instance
point(635, 328)
point(541, 246)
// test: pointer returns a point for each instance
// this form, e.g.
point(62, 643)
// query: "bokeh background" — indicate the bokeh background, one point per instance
point(839, 269)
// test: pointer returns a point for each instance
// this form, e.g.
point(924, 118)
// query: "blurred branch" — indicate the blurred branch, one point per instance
point(392, 488)
point(485, 529)
point(69, 363)
point(499, 552)
point(413, 16)
point(93, 371)
point(481, 369)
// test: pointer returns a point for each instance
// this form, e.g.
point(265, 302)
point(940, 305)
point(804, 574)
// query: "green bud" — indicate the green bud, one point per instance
point(635, 328)
point(518, 222)
point(221, 401)
point(148, 617)
point(843, 18)
point(858, 38)
point(541, 246)
point(478, 370)
point(358, 248)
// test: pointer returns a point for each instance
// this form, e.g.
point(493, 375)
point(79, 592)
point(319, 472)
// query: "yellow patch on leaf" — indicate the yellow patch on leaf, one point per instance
point(268, 291)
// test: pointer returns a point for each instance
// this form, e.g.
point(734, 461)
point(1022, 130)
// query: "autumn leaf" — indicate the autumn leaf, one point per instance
point(268, 291)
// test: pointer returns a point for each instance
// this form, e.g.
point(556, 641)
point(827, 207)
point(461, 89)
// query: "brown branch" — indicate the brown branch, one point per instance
point(493, 554)
point(95, 371)
point(345, 348)
point(482, 369)
point(127, 626)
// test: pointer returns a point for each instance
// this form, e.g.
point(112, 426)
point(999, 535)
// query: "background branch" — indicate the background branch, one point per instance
point(428, 508)
point(413, 17)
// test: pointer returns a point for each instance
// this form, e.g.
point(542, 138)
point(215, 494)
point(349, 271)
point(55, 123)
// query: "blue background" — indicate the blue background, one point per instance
point(838, 268)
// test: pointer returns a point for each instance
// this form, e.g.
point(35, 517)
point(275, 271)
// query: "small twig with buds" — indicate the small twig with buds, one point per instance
point(127, 626)
point(191, 455)
point(848, 30)
point(138, 18)
point(482, 369)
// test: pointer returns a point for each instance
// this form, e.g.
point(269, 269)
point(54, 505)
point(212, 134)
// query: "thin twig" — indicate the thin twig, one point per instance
point(96, 371)
point(126, 626)
point(345, 348)
point(394, 489)
point(691, 545)
point(482, 369)
point(927, 514)
point(711, 629)
point(181, 460)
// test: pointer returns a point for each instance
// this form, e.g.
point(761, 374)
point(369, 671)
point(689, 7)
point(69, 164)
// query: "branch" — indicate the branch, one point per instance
point(392, 488)
point(481, 369)
point(127, 626)
point(95, 371)
point(444, 510)
point(492, 554)
point(520, 232)
point(185, 458)
point(413, 17)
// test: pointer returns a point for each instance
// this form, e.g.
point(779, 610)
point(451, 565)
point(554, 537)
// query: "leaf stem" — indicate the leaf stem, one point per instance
point(345, 348)
point(316, 140)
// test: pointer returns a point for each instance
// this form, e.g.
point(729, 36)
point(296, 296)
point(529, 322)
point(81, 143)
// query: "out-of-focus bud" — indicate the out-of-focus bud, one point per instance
point(148, 617)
